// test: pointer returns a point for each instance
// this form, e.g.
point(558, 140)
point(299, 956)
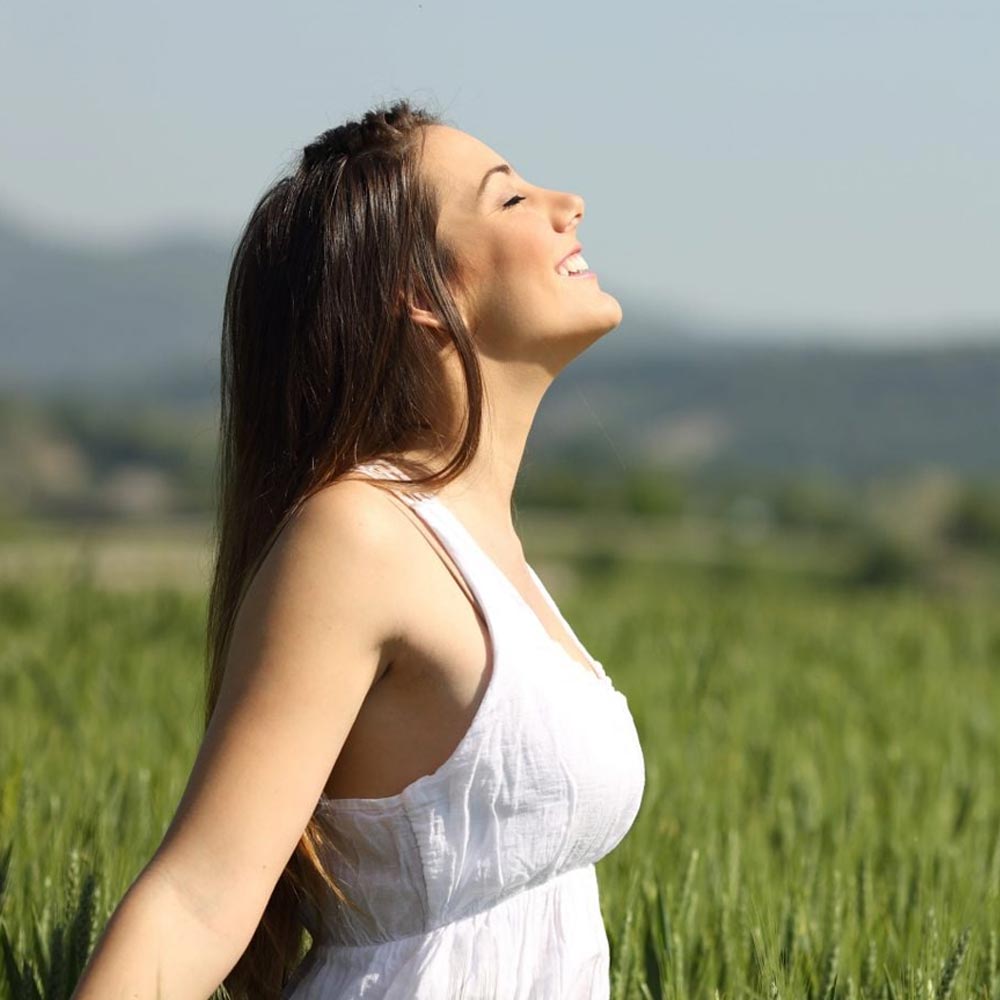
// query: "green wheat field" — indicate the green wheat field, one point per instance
point(821, 816)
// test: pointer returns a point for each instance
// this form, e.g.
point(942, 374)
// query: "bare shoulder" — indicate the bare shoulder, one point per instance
point(352, 508)
point(348, 540)
point(313, 633)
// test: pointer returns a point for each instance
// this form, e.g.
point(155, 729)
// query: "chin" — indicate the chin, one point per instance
point(618, 308)
point(594, 331)
point(612, 313)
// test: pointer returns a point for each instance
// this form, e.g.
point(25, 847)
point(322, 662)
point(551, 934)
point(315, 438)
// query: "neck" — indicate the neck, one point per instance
point(483, 493)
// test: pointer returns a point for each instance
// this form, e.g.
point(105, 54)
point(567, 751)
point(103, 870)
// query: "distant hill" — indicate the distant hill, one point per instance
point(138, 329)
point(79, 315)
point(722, 407)
point(85, 316)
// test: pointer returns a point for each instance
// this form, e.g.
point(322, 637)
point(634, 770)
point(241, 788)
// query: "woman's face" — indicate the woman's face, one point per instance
point(509, 237)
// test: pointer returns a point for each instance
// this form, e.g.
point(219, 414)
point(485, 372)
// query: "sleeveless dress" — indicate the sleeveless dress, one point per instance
point(478, 881)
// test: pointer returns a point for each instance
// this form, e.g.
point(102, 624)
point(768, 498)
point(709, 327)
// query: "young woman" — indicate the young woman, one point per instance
point(408, 751)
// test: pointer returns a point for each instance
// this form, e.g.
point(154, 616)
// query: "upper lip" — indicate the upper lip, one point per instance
point(575, 249)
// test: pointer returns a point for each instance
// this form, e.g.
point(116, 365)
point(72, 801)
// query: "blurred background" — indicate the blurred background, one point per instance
point(769, 501)
point(797, 204)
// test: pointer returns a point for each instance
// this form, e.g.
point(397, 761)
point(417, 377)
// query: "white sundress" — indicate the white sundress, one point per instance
point(477, 881)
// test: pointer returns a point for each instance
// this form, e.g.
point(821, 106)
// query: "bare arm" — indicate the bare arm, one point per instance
point(313, 633)
point(152, 931)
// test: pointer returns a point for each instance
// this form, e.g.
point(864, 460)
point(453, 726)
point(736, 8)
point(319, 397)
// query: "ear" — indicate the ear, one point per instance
point(419, 309)
point(414, 302)
point(424, 317)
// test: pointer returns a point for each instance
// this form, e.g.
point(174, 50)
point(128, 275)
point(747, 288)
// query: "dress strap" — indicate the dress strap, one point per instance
point(476, 564)
point(596, 665)
point(383, 469)
point(464, 554)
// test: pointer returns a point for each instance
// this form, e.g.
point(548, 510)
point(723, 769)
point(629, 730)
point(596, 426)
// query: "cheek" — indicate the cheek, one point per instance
point(526, 256)
point(513, 276)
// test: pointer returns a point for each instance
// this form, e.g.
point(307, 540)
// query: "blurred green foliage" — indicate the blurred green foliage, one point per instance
point(821, 815)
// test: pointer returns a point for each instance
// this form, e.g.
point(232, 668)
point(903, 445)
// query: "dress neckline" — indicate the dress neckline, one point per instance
point(594, 668)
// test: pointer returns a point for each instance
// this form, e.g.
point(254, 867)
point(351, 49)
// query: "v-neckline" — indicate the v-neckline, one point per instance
point(592, 667)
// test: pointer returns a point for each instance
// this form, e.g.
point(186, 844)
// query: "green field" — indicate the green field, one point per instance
point(822, 809)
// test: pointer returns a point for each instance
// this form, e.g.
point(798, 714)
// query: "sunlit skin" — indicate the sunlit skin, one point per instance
point(304, 673)
point(528, 321)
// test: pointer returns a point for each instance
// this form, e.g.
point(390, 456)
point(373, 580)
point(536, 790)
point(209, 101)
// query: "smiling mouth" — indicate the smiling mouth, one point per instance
point(574, 266)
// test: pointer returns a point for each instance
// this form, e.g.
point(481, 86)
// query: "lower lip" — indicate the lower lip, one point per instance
point(579, 274)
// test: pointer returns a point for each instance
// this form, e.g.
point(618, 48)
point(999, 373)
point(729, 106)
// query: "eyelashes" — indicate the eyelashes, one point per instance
point(513, 201)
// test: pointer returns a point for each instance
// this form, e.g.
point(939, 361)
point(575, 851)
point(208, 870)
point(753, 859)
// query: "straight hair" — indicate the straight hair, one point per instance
point(323, 368)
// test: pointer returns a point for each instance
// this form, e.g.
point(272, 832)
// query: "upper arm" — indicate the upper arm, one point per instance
point(308, 642)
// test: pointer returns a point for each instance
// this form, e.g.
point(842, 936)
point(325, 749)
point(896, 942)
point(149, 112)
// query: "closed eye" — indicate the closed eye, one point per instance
point(513, 201)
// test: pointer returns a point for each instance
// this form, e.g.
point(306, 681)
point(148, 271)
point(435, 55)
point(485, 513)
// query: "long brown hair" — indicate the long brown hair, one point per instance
point(322, 368)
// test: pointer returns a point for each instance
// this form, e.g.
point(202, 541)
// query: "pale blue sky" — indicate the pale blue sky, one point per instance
point(765, 162)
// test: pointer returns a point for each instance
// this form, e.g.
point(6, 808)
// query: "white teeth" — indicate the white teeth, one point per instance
point(572, 264)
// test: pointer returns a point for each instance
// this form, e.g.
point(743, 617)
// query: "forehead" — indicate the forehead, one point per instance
point(455, 162)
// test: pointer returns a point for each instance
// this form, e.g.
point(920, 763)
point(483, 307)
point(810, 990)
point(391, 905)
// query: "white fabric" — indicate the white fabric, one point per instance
point(478, 881)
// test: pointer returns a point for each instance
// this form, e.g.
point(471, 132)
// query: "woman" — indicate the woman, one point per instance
point(408, 752)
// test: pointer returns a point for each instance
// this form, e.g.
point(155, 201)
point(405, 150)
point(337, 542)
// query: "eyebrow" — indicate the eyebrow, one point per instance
point(503, 168)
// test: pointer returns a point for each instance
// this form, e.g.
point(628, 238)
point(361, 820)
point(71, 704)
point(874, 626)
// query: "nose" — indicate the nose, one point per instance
point(569, 210)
